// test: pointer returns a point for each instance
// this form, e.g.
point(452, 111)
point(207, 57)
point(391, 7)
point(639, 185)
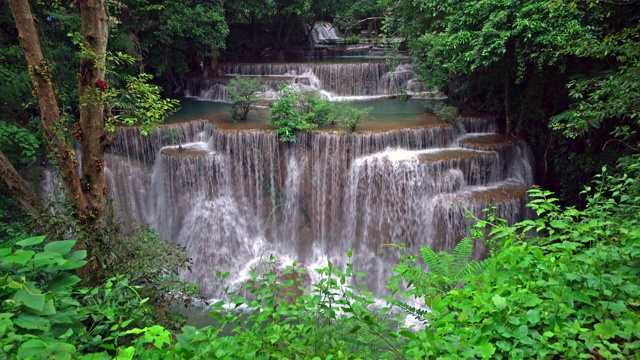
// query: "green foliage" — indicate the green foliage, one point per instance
point(44, 313)
point(109, 311)
point(285, 115)
point(177, 36)
point(348, 14)
point(243, 92)
point(444, 272)
point(18, 143)
point(316, 108)
point(445, 112)
point(294, 111)
point(571, 66)
point(607, 94)
point(348, 116)
point(139, 103)
point(38, 315)
point(570, 292)
point(333, 320)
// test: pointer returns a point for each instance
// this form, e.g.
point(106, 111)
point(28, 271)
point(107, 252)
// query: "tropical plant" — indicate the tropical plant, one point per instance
point(446, 112)
point(444, 271)
point(285, 115)
point(333, 320)
point(316, 108)
point(45, 313)
point(570, 292)
point(243, 92)
point(348, 116)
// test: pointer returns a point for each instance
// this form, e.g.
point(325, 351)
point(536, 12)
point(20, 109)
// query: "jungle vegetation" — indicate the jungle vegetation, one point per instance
point(564, 74)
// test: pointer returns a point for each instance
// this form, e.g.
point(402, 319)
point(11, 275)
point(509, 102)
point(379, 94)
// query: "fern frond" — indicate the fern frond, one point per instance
point(461, 254)
point(433, 261)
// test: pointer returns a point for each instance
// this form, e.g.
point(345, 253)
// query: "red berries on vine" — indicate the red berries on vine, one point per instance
point(102, 85)
point(99, 165)
point(76, 131)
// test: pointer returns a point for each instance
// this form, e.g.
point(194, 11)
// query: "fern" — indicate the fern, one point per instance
point(461, 254)
point(444, 271)
point(434, 262)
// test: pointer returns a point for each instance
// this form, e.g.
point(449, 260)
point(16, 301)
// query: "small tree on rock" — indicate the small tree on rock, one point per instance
point(348, 116)
point(244, 93)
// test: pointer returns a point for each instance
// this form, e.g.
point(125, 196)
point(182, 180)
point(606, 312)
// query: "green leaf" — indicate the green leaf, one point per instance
point(485, 350)
point(61, 247)
point(408, 334)
point(499, 302)
point(533, 316)
point(558, 224)
point(607, 330)
point(33, 349)
point(31, 241)
point(32, 322)
point(63, 281)
point(33, 301)
point(78, 256)
point(19, 257)
point(354, 329)
point(126, 354)
point(215, 314)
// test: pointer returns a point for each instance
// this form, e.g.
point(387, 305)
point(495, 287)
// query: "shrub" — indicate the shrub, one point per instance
point(570, 292)
point(315, 108)
point(243, 92)
point(332, 320)
point(445, 112)
point(285, 114)
point(347, 116)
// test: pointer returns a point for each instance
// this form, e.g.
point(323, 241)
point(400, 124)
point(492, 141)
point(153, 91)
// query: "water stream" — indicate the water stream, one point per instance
point(235, 194)
point(232, 196)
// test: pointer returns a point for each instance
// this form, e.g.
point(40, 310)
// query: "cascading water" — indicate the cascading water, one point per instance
point(231, 197)
point(322, 31)
point(338, 80)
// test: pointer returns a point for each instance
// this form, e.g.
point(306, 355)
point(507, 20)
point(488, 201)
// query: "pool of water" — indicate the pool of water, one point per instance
point(385, 114)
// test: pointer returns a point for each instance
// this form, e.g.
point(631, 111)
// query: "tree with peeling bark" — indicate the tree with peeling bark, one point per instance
point(85, 190)
point(99, 110)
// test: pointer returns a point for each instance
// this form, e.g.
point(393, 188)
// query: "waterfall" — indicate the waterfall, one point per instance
point(231, 197)
point(322, 31)
point(358, 79)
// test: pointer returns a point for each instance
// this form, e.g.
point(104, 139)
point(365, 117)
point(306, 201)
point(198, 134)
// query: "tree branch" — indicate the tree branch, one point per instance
point(50, 115)
point(20, 188)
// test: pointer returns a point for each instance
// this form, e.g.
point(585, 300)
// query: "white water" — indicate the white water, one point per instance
point(233, 197)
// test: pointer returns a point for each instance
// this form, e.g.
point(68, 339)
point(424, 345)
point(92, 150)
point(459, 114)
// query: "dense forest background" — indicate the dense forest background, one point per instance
point(565, 75)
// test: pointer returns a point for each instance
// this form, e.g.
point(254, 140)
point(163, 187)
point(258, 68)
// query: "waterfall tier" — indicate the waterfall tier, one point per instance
point(232, 196)
point(374, 78)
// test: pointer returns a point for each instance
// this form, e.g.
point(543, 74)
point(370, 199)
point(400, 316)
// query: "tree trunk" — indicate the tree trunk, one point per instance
point(19, 187)
point(49, 112)
point(95, 31)
point(87, 194)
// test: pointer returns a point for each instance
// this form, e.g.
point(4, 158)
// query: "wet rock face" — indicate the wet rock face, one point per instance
point(231, 196)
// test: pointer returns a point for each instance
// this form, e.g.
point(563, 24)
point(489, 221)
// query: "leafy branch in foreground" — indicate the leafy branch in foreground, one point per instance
point(333, 319)
point(569, 292)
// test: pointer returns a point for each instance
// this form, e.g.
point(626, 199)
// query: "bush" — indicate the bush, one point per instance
point(570, 292)
point(315, 108)
point(243, 92)
point(347, 116)
point(286, 116)
point(331, 320)
point(445, 112)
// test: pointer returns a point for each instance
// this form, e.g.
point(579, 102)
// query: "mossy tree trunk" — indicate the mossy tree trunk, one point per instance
point(85, 190)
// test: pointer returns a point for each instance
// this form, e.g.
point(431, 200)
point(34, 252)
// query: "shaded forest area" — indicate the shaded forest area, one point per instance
point(563, 74)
